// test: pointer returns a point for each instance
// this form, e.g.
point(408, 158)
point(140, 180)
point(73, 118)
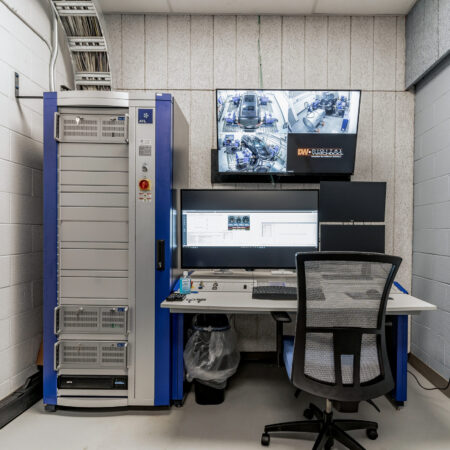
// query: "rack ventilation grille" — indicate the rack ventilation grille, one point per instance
point(92, 355)
point(92, 128)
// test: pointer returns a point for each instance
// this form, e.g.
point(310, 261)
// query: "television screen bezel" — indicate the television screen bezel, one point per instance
point(276, 177)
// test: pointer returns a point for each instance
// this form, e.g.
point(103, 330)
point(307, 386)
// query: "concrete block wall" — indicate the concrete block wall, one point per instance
point(191, 56)
point(427, 37)
point(21, 186)
point(430, 340)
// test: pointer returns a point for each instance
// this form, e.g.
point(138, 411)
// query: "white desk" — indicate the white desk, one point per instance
point(242, 303)
point(234, 299)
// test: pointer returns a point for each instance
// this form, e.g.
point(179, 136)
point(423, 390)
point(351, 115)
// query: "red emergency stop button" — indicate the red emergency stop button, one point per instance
point(144, 185)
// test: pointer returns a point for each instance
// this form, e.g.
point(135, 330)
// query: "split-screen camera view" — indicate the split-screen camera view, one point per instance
point(252, 126)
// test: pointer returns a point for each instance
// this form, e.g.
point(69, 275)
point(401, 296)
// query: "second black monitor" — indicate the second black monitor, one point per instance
point(342, 201)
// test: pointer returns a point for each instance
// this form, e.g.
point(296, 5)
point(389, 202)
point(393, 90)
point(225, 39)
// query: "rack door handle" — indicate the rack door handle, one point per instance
point(56, 320)
point(160, 254)
point(56, 357)
point(56, 127)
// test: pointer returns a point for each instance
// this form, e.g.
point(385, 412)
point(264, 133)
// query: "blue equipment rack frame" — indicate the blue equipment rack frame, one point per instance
point(168, 330)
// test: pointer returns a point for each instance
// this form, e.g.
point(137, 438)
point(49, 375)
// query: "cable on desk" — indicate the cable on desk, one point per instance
point(429, 389)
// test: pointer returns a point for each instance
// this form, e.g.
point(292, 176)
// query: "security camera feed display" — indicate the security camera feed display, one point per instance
point(326, 112)
point(254, 128)
point(247, 229)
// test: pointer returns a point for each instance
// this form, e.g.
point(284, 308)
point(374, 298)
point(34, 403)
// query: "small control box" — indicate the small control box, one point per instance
point(211, 285)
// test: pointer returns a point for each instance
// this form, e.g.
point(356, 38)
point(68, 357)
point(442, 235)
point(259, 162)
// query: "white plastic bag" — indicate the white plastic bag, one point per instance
point(211, 356)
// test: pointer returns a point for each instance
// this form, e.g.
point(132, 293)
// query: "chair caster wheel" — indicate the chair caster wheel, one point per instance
point(50, 408)
point(265, 439)
point(308, 413)
point(372, 433)
point(329, 444)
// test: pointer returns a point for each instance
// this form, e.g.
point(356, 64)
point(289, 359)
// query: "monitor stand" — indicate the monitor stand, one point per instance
point(282, 272)
point(243, 274)
point(222, 271)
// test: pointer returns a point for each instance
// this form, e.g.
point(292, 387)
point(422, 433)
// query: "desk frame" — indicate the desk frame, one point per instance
point(403, 305)
point(399, 395)
point(177, 323)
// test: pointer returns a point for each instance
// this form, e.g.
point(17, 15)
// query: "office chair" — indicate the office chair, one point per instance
point(339, 350)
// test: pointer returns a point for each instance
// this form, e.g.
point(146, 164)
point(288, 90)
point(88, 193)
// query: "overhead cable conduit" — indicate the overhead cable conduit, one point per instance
point(82, 22)
point(52, 48)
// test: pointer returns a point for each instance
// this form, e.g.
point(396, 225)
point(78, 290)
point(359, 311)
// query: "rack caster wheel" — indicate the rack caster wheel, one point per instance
point(50, 408)
point(308, 413)
point(372, 433)
point(329, 444)
point(265, 439)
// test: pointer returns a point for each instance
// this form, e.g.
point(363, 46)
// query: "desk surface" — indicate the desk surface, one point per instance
point(242, 302)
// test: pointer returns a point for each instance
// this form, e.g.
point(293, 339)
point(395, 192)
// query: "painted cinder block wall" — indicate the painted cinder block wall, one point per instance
point(21, 186)
point(428, 68)
point(191, 56)
point(430, 336)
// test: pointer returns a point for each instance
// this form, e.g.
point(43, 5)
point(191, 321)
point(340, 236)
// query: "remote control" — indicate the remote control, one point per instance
point(175, 297)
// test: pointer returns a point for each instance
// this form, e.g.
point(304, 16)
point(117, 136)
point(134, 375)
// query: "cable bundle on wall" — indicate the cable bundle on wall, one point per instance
point(82, 23)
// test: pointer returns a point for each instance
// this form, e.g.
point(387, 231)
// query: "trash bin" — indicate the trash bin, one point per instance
point(211, 357)
point(209, 395)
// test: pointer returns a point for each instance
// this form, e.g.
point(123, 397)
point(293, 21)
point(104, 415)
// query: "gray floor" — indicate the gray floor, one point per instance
point(258, 395)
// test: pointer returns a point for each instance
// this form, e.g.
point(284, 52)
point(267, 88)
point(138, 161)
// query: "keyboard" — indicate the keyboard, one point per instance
point(274, 293)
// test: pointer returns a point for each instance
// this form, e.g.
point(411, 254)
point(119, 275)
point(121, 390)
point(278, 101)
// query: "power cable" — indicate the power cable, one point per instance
point(53, 50)
point(39, 35)
point(429, 389)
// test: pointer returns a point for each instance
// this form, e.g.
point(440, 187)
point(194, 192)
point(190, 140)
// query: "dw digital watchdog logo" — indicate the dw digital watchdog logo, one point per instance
point(307, 152)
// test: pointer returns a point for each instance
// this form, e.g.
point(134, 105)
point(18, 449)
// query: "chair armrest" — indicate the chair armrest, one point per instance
point(281, 316)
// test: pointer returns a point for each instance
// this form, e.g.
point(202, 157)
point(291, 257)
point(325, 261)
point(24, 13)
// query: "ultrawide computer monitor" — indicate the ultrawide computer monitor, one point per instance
point(247, 229)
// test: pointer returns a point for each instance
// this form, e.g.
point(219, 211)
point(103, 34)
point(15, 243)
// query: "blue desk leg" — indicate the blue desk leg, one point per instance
point(401, 335)
point(177, 359)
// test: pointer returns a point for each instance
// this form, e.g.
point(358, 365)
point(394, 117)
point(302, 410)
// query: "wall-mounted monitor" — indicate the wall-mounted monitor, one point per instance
point(247, 229)
point(285, 134)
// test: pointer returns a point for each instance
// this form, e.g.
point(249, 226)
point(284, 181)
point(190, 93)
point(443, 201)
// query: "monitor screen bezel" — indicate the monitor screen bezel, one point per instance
point(183, 266)
point(277, 177)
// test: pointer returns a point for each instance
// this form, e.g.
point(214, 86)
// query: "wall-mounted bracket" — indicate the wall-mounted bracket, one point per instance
point(17, 91)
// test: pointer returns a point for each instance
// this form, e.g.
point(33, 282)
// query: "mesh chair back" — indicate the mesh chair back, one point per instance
point(340, 351)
